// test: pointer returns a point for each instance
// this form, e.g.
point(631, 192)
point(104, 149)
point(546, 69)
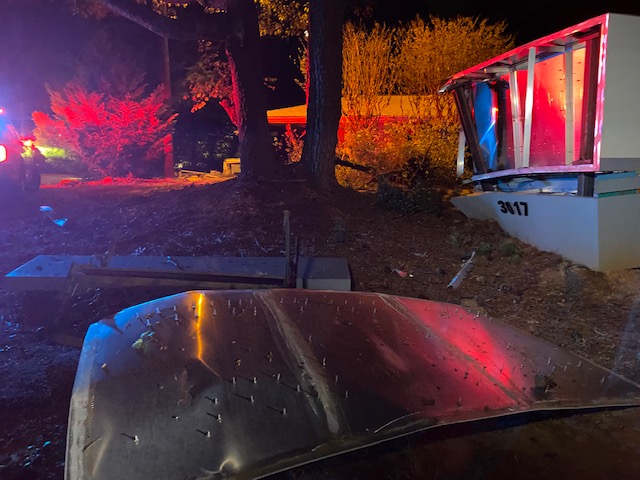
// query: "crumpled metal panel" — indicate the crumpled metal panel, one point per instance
point(248, 383)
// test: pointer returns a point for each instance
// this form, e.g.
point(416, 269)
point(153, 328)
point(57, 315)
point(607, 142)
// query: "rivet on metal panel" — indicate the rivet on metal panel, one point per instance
point(459, 402)
point(336, 378)
point(219, 418)
point(553, 369)
point(215, 312)
point(309, 338)
point(427, 336)
point(251, 399)
point(338, 308)
point(174, 417)
point(233, 380)
point(284, 410)
point(213, 400)
point(255, 380)
point(301, 309)
point(193, 306)
point(579, 363)
point(205, 433)
point(175, 307)
point(565, 368)
point(255, 311)
point(278, 378)
point(306, 301)
point(210, 304)
point(346, 394)
point(298, 388)
point(104, 367)
point(233, 311)
point(281, 299)
point(549, 361)
point(375, 310)
point(324, 361)
point(295, 299)
point(602, 381)
point(176, 318)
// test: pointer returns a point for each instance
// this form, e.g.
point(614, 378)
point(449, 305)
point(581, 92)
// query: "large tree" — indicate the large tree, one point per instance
point(325, 83)
point(235, 24)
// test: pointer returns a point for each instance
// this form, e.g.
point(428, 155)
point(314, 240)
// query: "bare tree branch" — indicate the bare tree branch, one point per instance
point(355, 166)
point(192, 24)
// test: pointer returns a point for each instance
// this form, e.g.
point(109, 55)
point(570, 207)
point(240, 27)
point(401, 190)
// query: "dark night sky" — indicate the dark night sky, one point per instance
point(528, 20)
point(42, 41)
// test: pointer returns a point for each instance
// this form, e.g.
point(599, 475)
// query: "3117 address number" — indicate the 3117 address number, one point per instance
point(514, 208)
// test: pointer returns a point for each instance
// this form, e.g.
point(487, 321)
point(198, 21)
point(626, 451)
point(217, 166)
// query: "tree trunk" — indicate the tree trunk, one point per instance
point(168, 164)
point(244, 54)
point(239, 27)
point(325, 90)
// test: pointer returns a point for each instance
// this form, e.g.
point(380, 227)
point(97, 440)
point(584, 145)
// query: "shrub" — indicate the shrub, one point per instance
point(413, 60)
point(111, 133)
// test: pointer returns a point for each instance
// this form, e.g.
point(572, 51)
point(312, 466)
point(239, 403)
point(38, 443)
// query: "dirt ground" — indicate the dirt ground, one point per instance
point(592, 314)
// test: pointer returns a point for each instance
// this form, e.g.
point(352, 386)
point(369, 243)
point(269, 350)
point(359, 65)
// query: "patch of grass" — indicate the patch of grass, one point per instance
point(484, 249)
point(455, 239)
point(511, 249)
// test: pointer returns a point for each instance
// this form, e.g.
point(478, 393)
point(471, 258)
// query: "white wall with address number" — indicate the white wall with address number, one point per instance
point(601, 233)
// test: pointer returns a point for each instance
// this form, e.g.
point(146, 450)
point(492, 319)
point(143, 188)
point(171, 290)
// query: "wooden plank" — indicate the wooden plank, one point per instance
point(52, 272)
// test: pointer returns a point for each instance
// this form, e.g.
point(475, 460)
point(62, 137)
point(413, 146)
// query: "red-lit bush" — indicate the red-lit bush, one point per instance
point(115, 134)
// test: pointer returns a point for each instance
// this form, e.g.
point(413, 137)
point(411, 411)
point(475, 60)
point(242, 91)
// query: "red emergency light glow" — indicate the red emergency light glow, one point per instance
point(3, 153)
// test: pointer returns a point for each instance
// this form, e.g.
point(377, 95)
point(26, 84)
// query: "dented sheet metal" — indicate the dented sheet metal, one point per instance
point(248, 383)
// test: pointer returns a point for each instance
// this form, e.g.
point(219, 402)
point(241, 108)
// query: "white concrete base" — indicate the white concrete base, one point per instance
point(602, 233)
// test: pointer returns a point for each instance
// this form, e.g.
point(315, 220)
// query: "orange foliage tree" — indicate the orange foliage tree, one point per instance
point(414, 61)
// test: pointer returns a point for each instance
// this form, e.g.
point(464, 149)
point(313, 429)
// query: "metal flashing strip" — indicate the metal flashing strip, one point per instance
point(250, 383)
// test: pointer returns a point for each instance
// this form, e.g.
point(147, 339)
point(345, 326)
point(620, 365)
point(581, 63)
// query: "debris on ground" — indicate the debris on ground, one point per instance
point(538, 292)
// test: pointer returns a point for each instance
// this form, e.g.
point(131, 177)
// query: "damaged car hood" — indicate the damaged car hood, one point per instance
point(249, 383)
